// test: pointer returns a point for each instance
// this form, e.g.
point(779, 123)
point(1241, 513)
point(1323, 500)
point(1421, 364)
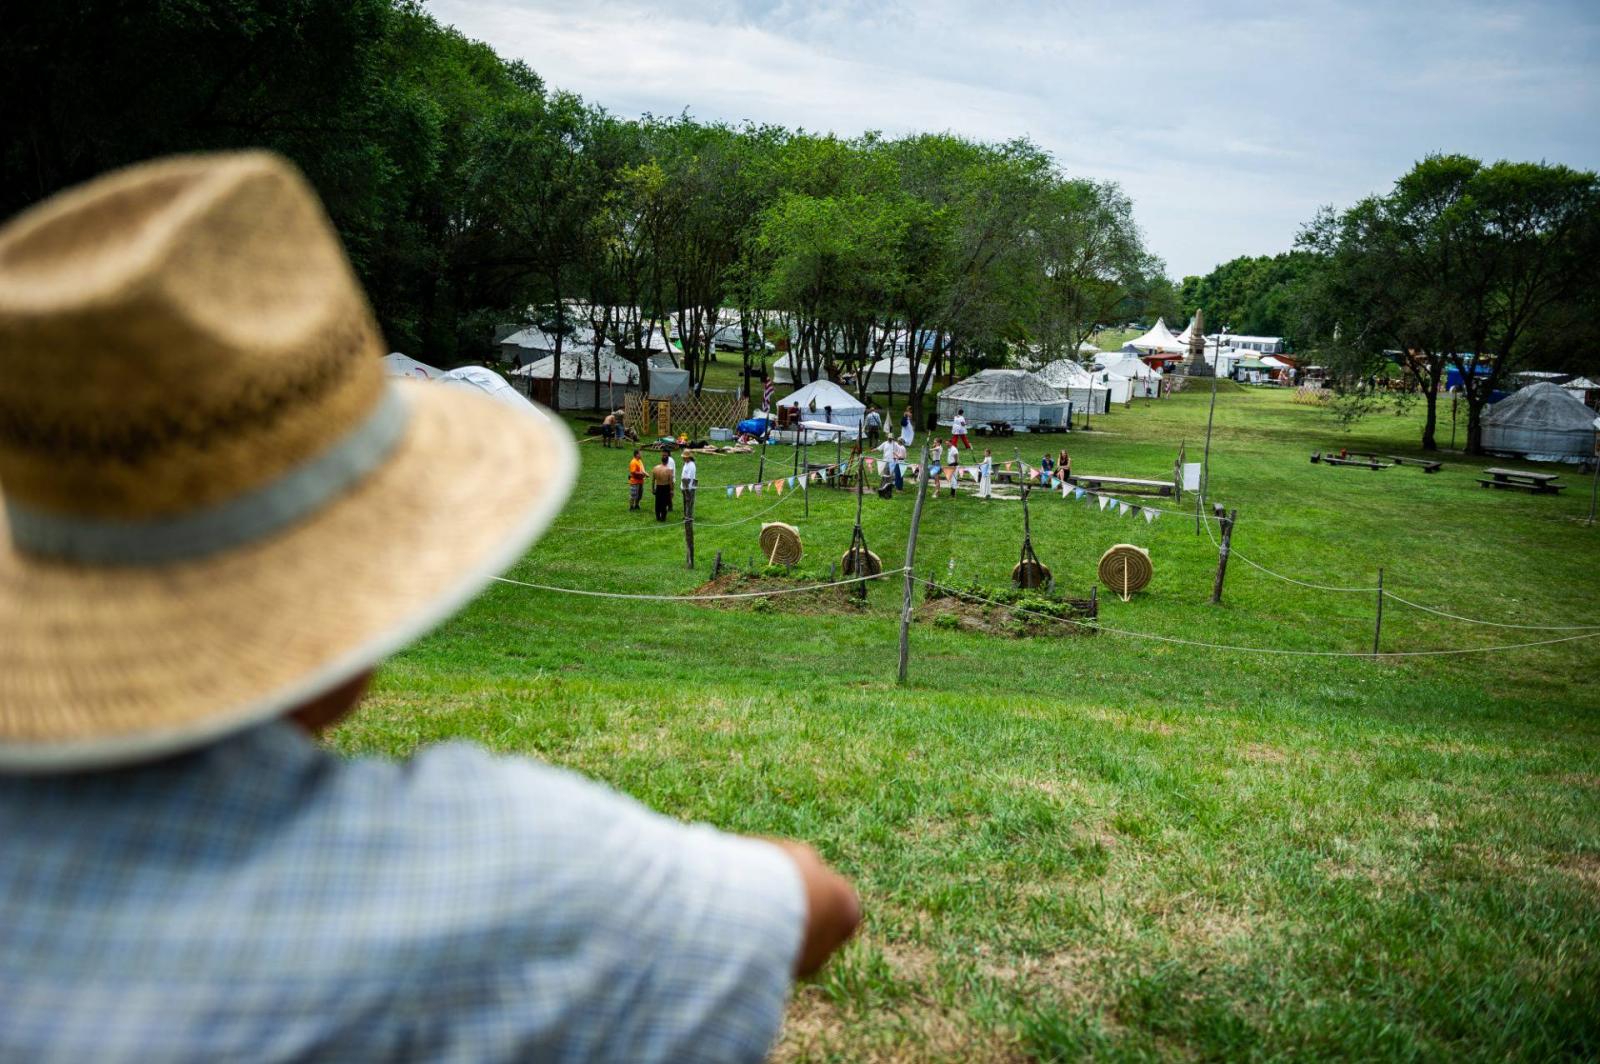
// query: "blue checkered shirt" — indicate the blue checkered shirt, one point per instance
point(264, 899)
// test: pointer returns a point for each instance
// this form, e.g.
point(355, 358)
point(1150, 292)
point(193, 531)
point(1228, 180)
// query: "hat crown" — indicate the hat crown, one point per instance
point(176, 335)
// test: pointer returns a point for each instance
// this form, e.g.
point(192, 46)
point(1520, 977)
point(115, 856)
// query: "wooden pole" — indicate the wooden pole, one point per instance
point(688, 540)
point(1377, 628)
point(805, 485)
point(1205, 460)
point(1222, 557)
point(911, 559)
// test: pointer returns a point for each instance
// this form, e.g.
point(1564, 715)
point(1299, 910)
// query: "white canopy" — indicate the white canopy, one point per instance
point(1159, 338)
point(397, 365)
point(786, 370)
point(1128, 367)
point(818, 396)
point(581, 367)
point(1275, 363)
point(490, 383)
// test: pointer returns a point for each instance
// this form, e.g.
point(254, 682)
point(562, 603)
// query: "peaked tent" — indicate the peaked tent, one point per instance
point(1013, 396)
point(1159, 340)
point(815, 399)
point(491, 384)
point(787, 370)
point(1542, 422)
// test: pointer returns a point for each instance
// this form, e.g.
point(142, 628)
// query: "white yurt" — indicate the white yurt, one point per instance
point(1016, 397)
point(577, 392)
point(491, 384)
point(1542, 422)
point(1142, 380)
point(892, 374)
point(816, 398)
point(1076, 384)
point(397, 365)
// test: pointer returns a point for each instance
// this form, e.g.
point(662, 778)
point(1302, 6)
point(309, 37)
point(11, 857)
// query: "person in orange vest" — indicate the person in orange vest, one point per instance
point(635, 481)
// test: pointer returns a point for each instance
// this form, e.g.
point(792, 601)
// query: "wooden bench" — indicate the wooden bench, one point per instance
point(1364, 462)
point(1427, 466)
point(1535, 483)
point(1131, 485)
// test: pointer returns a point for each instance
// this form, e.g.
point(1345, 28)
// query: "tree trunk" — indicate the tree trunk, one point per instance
point(1430, 396)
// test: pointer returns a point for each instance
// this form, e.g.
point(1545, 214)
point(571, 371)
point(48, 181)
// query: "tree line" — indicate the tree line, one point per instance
point(472, 196)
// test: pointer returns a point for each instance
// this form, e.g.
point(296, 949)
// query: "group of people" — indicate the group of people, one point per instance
point(662, 476)
point(872, 422)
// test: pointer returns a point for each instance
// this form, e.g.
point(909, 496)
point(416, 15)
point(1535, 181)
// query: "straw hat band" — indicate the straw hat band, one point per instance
point(253, 515)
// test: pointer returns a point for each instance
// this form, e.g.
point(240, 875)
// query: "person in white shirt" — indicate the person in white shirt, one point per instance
point(958, 431)
point(899, 465)
point(888, 452)
point(952, 467)
point(908, 432)
point(985, 475)
point(688, 480)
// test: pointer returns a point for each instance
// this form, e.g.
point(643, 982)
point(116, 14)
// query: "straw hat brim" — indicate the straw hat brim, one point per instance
point(107, 665)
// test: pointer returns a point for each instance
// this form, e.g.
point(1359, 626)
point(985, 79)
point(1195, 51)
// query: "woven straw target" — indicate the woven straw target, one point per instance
point(1126, 569)
point(780, 543)
point(869, 563)
point(1030, 574)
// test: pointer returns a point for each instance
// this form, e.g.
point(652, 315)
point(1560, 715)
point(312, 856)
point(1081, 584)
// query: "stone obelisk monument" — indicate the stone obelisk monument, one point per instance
point(1196, 365)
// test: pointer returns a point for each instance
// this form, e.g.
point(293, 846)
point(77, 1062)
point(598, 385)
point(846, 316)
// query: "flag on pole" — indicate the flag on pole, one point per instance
point(766, 394)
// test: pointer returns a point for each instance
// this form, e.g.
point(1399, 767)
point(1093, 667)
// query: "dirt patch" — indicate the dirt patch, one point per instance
point(814, 1029)
point(1584, 867)
point(968, 616)
point(786, 600)
point(1262, 754)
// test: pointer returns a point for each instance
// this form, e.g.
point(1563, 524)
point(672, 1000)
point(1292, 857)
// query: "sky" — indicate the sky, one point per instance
point(1228, 124)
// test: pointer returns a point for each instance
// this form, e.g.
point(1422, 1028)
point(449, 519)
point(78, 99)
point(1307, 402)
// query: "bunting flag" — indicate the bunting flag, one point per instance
point(793, 481)
point(730, 491)
point(1063, 489)
point(1149, 515)
point(1124, 509)
point(777, 485)
point(759, 487)
point(1105, 500)
point(738, 491)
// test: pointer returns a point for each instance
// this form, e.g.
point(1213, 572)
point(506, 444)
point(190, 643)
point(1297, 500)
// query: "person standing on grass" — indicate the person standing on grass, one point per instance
point(608, 430)
point(899, 465)
point(671, 464)
point(958, 430)
point(874, 423)
point(887, 450)
point(687, 482)
point(195, 585)
point(635, 481)
point(908, 431)
point(985, 474)
point(952, 469)
point(661, 480)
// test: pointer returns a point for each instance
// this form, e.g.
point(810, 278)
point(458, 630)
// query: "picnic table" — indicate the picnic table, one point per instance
point(1536, 483)
point(1133, 485)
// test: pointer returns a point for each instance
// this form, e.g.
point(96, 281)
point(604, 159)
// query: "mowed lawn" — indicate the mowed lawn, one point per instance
point(1099, 845)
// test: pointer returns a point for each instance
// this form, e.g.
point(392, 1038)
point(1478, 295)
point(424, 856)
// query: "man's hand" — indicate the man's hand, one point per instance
point(833, 909)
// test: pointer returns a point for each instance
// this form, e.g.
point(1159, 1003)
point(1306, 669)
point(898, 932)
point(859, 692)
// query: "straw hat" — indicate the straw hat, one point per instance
point(216, 505)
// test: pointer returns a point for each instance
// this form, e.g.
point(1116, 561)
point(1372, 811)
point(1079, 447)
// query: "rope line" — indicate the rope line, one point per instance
point(1493, 624)
point(702, 598)
point(1258, 650)
point(677, 522)
point(1233, 552)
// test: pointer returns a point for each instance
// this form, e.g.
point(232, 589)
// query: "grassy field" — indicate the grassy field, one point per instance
point(1097, 845)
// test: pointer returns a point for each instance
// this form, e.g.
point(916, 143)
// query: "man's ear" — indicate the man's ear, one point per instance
point(330, 707)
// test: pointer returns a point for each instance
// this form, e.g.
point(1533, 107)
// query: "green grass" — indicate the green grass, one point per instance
point(1102, 846)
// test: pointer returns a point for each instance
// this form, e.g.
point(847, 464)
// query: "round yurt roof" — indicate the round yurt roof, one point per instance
point(1540, 406)
point(824, 393)
point(1002, 386)
point(397, 365)
point(1064, 373)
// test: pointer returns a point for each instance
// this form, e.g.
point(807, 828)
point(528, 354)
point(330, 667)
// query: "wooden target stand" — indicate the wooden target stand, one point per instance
point(858, 560)
point(1029, 572)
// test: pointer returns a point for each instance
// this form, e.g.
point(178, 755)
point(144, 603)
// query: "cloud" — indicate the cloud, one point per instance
point(1228, 123)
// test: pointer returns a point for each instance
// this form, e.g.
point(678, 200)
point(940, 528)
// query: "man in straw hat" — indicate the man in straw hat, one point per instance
point(218, 516)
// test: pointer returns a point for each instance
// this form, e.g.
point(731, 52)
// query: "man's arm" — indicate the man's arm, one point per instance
point(833, 909)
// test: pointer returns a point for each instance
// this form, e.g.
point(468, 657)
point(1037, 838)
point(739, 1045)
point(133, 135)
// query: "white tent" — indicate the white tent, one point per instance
point(1014, 396)
point(1542, 422)
point(1141, 380)
point(818, 396)
point(397, 365)
point(1077, 384)
point(491, 384)
point(1159, 339)
point(891, 374)
point(786, 371)
point(616, 376)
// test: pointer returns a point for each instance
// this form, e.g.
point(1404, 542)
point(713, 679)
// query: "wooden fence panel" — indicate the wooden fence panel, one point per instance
point(691, 415)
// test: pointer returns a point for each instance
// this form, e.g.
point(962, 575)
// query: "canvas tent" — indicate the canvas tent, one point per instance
point(1159, 340)
point(1014, 396)
point(788, 370)
point(667, 381)
point(1077, 385)
point(1142, 380)
point(491, 384)
point(1541, 422)
point(816, 398)
point(617, 375)
point(397, 365)
point(891, 374)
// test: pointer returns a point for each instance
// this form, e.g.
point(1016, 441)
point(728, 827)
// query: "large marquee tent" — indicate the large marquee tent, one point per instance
point(1014, 396)
point(1159, 340)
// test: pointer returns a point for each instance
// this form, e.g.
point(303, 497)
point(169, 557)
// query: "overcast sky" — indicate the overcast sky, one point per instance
point(1228, 124)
